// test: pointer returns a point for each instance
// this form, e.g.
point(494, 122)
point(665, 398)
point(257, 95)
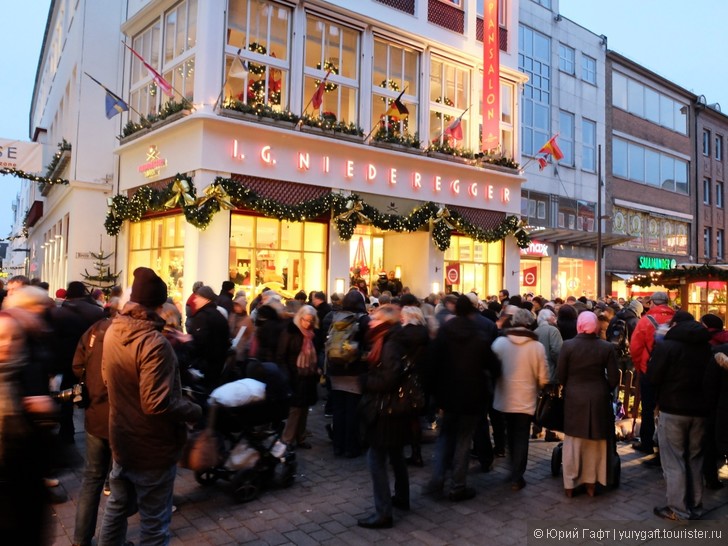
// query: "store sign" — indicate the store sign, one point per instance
point(491, 78)
point(654, 263)
point(25, 156)
point(452, 273)
point(154, 163)
point(386, 175)
point(536, 249)
point(530, 276)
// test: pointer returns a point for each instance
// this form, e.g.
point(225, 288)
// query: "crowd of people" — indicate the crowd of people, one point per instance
point(480, 364)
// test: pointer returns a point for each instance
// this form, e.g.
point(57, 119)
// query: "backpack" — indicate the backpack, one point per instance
point(660, 329)
point(618, 334)
point(342, 347)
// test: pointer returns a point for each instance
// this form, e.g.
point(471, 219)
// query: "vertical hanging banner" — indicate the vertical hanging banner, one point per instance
point(491, 78)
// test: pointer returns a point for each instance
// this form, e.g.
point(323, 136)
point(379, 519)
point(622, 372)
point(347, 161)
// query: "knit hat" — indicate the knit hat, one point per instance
point(712, 322)
point(682, 316)
point(637, 307)
point(227, 286)
point(659, 298)
point(206, 292)
point(61, 293)
point(76, 289)
point(148, 289)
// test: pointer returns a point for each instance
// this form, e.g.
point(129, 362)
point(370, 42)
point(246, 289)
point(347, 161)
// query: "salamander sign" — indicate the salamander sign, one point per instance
point(654, 263)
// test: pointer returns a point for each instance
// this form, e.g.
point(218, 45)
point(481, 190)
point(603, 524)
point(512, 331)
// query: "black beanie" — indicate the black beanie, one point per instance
point(76, 289)
point(712, 321)
point(682, 316)
point(227, 286)
point(148, 289)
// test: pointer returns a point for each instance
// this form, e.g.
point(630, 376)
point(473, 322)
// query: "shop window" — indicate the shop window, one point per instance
point(284, 256)
point(650, 233)
point(158, 243)
point(449, 97)
point(395, 70)
point(479, 265)
point(260, 31)
point(366, 256)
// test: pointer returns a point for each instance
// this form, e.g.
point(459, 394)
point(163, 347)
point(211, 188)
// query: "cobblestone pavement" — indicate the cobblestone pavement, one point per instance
point(329, 494)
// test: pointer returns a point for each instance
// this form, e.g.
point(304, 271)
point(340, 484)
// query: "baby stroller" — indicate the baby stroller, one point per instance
point(253, 457)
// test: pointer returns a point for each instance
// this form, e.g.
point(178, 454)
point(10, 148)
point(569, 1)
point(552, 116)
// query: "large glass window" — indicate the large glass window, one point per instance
point(589, 69)
point(480, 265)
point(334, 49)
point(645, 102)
point(534, 51)
point(449, 97)
point(640, 164)
point(650, 233)
point(285, 256)
point(566, 59)
point(588, 145)
point(168, 46)
point(566, 137)
point(502, 11)
point(159, 244)
point(260, 30)
point(395, 70)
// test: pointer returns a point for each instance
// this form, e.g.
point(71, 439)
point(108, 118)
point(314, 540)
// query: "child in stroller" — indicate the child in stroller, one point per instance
point(253, 455)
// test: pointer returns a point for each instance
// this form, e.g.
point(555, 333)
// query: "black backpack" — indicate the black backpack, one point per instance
point(618, 334)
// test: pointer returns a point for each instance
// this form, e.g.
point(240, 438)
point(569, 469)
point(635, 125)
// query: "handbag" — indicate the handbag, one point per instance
point(202, 450)
point(409, 398)
point(550, 408)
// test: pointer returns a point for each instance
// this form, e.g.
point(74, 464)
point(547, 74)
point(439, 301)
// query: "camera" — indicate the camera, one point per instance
point(76, 394)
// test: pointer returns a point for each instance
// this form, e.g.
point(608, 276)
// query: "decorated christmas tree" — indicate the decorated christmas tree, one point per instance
point(103, 278)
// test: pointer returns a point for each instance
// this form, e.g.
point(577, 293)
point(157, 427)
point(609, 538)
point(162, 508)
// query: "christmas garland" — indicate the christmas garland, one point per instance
point(391, 84)
point(447, 102)
point(348, 211)
point(254, 68)
point(328, 67)
point(33, 177)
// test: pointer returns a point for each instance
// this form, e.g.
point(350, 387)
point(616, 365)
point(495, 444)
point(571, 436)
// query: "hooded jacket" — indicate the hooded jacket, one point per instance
point(677, 369)
point(147, 411)
point(643, 337)
point(523, 371)
point(87, 362)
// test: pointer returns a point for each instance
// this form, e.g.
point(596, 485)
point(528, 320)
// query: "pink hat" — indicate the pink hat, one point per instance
point(587, 323)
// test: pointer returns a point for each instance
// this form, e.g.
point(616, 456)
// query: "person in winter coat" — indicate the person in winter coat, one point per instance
point(566, 321)
point(269, 325)
point(716, 388)
point(523, 373)
point(640, 349)
point(677, 372)
point(587, 370)
point(24, 404)
point(461, 378)
point(714, 324)
point(147, 415)
point(210, 333)
point(550, 337)
point(297, 352)
point(385, 434)
point(87, 368)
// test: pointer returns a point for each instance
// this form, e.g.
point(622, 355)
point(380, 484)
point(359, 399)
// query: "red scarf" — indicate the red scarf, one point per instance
point(306, 361)
point(376, 339)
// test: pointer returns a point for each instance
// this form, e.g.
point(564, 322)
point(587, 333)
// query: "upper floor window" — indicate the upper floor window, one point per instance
point(706, 191)
point(334, 49)
point(566, 59)
point(706, 143)
point(707, 238)
point(566, 137)
point(395, 70)
point(639, 163)
point(719, 241)
point(718, 147)
point(534, 53)
point(645, 102)
point(588, 145)
point(589, 69)
point(502, 11)
point(508, 93)
point(449, 97)
point(719, 195)
point(261, 31)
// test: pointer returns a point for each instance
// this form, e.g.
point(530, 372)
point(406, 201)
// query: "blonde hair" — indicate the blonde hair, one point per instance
point(412, 315)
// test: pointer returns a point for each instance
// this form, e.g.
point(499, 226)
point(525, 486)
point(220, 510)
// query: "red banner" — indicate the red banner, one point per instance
point(491, 77)
point(452, 273)
point(530, 276)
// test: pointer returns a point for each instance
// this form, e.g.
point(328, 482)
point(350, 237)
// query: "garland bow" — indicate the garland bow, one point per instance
point(216, 193)
point(355, 209)
point(180, 192)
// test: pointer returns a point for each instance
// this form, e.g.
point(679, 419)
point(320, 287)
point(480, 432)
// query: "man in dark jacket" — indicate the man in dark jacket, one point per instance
point(225, 299)
point(210, 337)
point(676, 370)
point(69, 322)
point(147, 414)
point(462, 371)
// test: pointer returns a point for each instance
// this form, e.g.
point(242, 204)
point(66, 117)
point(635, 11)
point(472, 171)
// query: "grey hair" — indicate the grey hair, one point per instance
point(522, 317)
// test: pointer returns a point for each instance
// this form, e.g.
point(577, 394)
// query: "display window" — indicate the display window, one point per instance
point(707, 297)
point(472, 265)
point(576, 278)
point(366, 255)
point(284, 256)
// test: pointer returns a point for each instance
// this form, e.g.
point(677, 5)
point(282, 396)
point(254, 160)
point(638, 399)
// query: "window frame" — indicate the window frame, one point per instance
point(444, 112)
point(707, 241)
point(589, 75)
point(718, 147)
point(707, 186)
point(706, 142)
point(586, 149)
point(567, 59)
point(567, 138)
point(719, 243)
point(536, 92)
point(719, 194)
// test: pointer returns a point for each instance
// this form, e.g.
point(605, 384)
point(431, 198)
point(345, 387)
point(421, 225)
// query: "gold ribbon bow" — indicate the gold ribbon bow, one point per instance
point(180, 192)
point(354, 208)
point(443, 215)
point(217, 193)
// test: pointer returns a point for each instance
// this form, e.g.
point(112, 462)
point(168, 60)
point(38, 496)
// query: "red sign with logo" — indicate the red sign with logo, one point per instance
point(452, 273)
point(530, 276)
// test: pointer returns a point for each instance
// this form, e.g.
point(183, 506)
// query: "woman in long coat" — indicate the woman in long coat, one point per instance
point(588, 371)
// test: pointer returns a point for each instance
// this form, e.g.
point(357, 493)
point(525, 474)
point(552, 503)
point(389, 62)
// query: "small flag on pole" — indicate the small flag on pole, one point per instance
point(397, 109)
point(163, 84)
point(238, 68)
point(552, 148)
point(114, 103)
point(455, 129)
point(318, 96)
point(542, 162)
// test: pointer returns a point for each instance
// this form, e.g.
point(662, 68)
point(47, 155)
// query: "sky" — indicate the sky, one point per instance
point(683, 42)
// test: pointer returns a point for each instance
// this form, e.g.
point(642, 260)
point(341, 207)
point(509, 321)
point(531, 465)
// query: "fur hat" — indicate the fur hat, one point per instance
point(712, 321)
point(659, 298)
point(207, 293)
point(148, 289)
point(76, 289)
point(637, 307)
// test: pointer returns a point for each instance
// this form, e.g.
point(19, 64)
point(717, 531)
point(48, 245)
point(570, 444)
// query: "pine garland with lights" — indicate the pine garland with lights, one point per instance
point(348, 212)
point(254, 68)
point(448, 102)
point(18, 173)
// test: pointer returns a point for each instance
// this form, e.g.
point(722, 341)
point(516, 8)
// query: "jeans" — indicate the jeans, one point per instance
point(647, 428)
point(453, 445)
point(518, 427)
point(345, 422)
point(681, 455)
point(377, 462)
point(98, 462)
point(152, 491)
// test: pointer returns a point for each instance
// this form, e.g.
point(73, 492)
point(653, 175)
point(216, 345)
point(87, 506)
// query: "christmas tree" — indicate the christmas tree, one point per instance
point(104, 278)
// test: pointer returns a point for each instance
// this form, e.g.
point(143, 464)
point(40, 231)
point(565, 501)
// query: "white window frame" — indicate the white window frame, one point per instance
point(567, 138)
point(588, 69)
point(588, 127)
point(567, 59)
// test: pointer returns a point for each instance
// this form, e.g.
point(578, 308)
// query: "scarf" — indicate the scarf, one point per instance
point(376, 339)
point(306, 360)
point(587, 323)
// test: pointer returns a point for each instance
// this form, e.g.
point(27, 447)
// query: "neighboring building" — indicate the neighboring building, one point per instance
point(651, 190)
point(565, 95)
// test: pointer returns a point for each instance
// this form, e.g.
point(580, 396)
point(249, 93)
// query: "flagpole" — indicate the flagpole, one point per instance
point(137, 112)
point(227, 77)
point(152, 69)
point(385, 112)
point(460, 117)
point(326, 77)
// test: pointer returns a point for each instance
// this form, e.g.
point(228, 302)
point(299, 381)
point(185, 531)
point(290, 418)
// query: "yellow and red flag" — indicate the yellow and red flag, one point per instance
point(552, 148)
point(397, 109)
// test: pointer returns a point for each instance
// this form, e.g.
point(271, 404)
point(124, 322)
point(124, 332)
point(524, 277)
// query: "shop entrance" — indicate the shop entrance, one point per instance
point(473, 266)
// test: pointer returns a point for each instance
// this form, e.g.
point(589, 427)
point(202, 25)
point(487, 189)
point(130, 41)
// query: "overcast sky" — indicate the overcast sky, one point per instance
point(682, 41)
